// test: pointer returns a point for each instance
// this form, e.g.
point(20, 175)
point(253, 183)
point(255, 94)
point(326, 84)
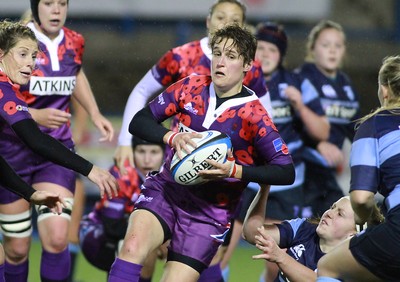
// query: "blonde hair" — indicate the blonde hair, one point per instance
point(316, 31)
point(389, 76)
point(26, 17)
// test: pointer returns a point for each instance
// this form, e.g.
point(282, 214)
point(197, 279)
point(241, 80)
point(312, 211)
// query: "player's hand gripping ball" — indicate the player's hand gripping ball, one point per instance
point(214, 145)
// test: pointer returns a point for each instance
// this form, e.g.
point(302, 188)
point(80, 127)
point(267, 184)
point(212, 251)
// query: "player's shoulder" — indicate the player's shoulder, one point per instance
point(72, 34)
point(6, 86)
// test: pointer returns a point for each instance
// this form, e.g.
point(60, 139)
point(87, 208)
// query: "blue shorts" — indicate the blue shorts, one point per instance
point(378, 248)
point(196, 228)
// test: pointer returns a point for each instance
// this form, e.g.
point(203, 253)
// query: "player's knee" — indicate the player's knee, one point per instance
point(16, 249)
point(134, 249)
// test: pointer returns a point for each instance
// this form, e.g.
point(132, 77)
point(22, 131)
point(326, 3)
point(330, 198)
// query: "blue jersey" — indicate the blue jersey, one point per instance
point(375, 155)
point(301, 240)
point(283, 113)
point(341, 106)
point(287, 123)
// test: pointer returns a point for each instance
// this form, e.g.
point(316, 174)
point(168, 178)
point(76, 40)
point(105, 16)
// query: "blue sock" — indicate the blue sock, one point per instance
point(124, 271)
point(327, 279)
point(211, 274)
point(2, 279)
point(16, 272)
point(55, 266)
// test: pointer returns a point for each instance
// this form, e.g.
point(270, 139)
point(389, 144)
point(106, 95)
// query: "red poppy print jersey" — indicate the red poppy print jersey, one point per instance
point(254, 137)
point(54, 79)
point(13, 109)
point(195, 58)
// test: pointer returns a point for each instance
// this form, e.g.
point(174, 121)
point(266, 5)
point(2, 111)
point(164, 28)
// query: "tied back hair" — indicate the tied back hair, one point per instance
point(389, 76)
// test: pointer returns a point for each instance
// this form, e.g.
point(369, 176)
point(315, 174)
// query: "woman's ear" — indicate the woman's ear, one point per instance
point(248, 66)
point(385, 92)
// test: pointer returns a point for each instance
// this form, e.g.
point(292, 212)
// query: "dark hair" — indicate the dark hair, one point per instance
point(35, 10)
point(11, 33)
point(273, 33)
point(243, 40)
point(138, 141)
point(236, 2)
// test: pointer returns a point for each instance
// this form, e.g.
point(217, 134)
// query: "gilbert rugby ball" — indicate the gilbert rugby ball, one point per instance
point(213, 145)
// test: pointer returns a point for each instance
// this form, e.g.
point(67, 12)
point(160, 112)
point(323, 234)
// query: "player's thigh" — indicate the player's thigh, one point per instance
point(178, 272)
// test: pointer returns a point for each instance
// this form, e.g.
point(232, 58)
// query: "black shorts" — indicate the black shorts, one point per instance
point(378, 248)
point(281, 205)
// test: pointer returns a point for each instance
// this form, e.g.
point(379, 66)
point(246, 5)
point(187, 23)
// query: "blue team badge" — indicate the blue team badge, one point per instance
point(278, 143)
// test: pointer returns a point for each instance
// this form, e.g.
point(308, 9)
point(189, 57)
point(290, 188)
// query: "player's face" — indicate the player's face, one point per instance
point(227, 69)
point(337, 223)
point(148, 158)
point(329, 50)
point(224, 13)
point(52, 15)
point(19, 62)
point(268, 55)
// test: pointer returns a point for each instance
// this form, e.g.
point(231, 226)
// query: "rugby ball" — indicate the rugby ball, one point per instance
point(213, 145)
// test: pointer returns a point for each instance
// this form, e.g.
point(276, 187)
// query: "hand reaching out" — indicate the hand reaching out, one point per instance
point(53, 201)
point(105, 181)
point(265, 243)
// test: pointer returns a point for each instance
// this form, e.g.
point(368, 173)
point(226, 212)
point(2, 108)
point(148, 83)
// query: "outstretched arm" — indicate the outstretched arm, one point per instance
point(53, 150)
point(255, 217)
point(292, 269)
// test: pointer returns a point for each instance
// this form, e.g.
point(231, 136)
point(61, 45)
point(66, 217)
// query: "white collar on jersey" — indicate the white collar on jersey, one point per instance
point(213, 113)
point(52, 45)
point(205, 47)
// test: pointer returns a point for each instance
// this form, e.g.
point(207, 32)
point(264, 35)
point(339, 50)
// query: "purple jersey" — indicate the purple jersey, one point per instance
point(13, 108)
point(255, 138)
point(53, 83)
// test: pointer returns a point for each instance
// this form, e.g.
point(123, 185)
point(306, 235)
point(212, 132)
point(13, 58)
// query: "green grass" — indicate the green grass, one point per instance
point(242, 267)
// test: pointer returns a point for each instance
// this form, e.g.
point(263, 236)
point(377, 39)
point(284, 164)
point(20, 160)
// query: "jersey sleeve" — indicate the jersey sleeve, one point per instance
point(288, 230)
point(311, 97)
point(166, 70)
point(364, 159)
point(270, 145)
point(12, 107)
